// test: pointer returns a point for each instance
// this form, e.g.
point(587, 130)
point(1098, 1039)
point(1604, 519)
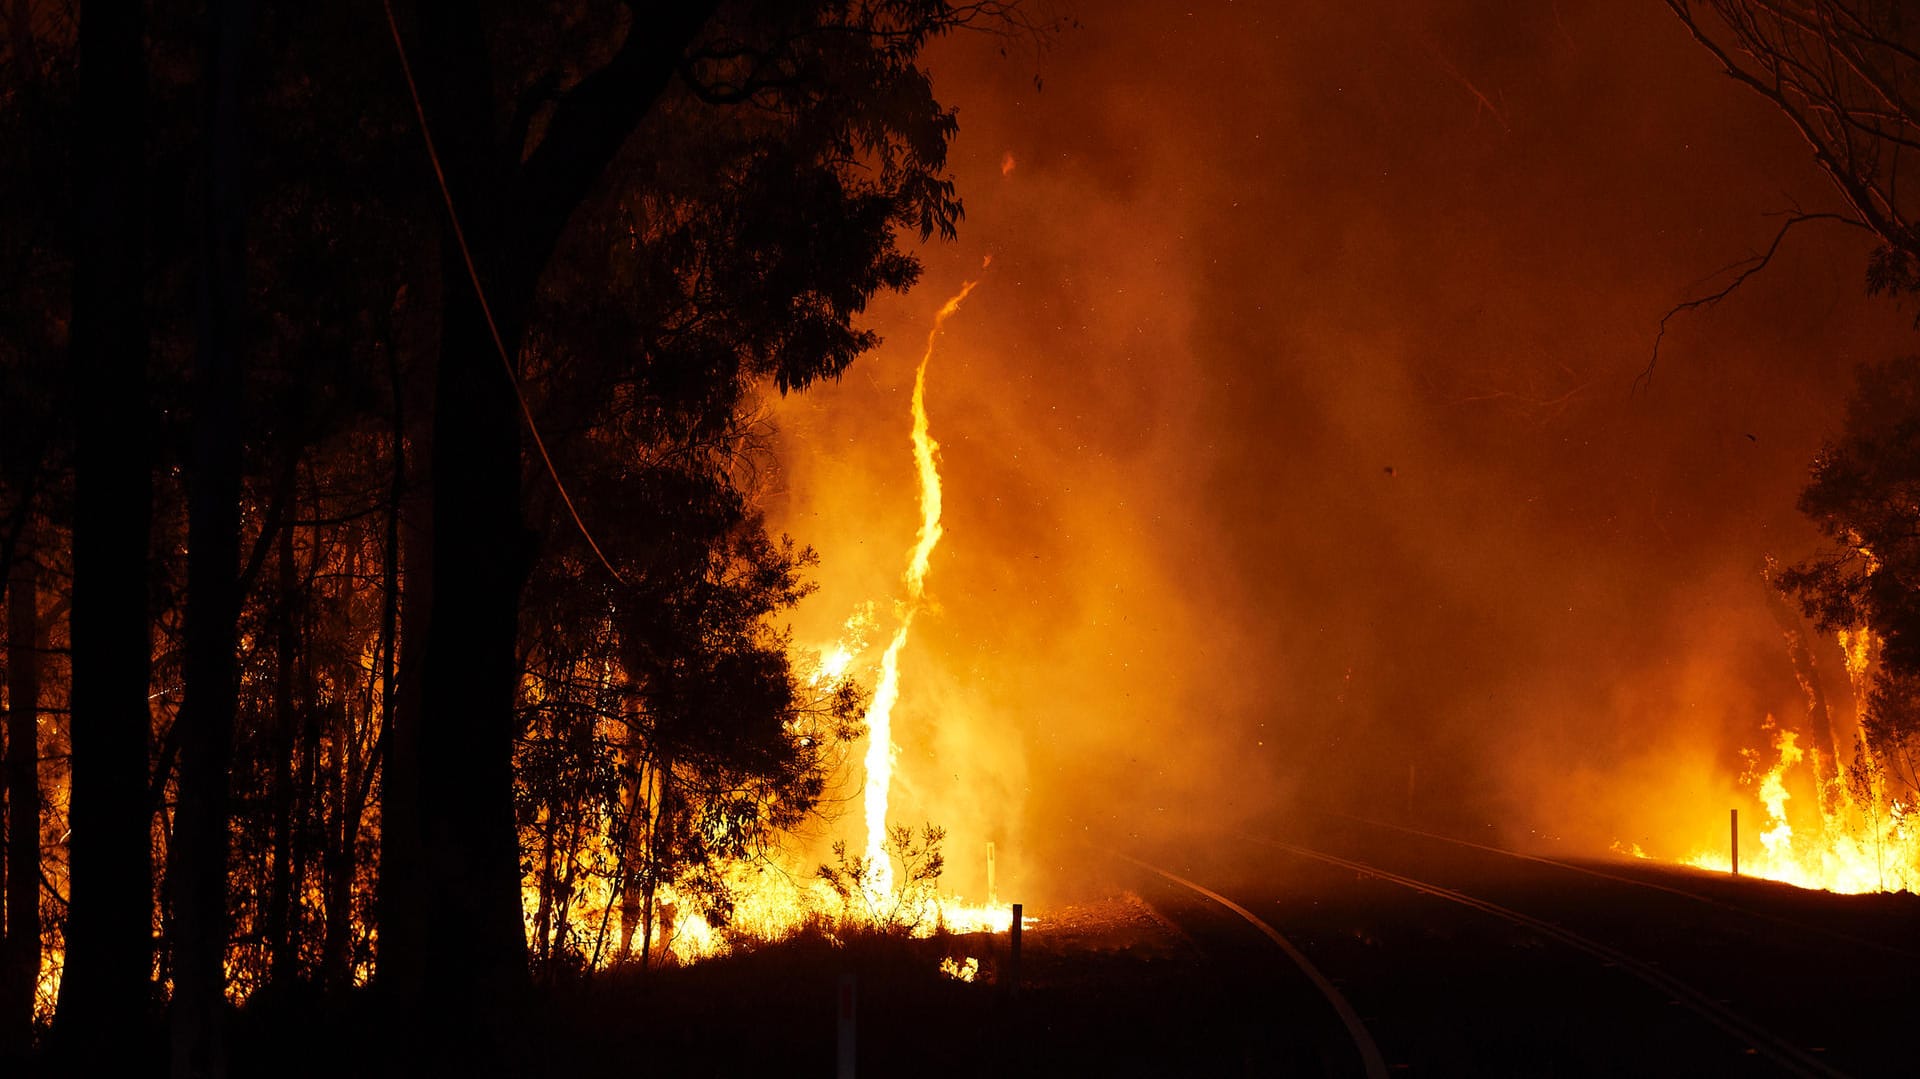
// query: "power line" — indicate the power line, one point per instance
point(486, 309)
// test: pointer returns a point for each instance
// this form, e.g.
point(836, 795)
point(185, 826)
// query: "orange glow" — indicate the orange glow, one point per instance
point(1865, 845)
point(776, 897)
point(1853, 836)
point(881, 751)
point(960, 970)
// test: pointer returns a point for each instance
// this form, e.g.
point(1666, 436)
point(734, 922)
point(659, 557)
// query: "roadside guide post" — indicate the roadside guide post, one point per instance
point(1734, 827)
point(1013, 956)
point(849, 1001)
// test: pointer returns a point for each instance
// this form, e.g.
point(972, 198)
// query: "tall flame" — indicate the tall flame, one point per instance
point(1777, 838)
point(1859, 835)
point(880, 748)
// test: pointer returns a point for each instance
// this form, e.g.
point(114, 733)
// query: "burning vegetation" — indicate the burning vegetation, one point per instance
point(1838, 791)
point(390, 598)
point(453, 500)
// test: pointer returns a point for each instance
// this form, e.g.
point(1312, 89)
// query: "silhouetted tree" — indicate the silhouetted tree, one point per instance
point(295, 593)
point(1846, 74)
point(839, 83)
point(20, 949)
point(34, 455)
point(197, 855)
point(734, 747)
point(1803, 652)
point(511, 206)
point(109, 953)
point(1863, 496)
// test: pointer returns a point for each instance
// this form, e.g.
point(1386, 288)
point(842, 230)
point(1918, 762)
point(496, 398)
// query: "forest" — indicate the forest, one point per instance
point(383, 422)
point(398, 594)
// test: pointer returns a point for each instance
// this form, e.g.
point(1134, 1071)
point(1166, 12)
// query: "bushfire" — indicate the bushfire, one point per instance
point(574, 899)
point(1837, 825)
point(893, 884)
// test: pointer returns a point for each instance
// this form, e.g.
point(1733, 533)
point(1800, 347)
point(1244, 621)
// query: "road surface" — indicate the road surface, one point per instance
point(1460, 960)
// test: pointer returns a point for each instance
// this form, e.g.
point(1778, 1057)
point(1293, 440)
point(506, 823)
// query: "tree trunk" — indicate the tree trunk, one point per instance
point(389, 643)
point(1801, 644)
point(283, 955)
point(401, 906)
point(476, 963)
point(471, 937)
point(475, 945)
point(657, 839)
point(20, 965)
point(563, 916)
point(197, 875)
point(633, 854)
point(20, 943)
point(343, 768)
point(109, 946)
point(309, 801)
point(543, 913)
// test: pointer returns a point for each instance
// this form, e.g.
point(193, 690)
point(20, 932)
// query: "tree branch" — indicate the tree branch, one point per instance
point(1853, 189)
point(589, 124)
point(1748, 267)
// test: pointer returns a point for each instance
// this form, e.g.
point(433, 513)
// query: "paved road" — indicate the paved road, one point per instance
point(1463, 961)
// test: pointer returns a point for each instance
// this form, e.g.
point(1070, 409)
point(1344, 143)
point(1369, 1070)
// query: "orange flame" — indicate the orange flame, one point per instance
point(881, 751)
point(1857, 836)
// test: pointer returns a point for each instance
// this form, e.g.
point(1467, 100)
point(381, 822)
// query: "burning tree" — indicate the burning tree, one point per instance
point(1846, 75)
point(1865, 497)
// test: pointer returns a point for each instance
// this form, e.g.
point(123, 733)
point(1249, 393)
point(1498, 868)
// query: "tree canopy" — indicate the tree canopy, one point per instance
point(1864, 494)
point(441, 575)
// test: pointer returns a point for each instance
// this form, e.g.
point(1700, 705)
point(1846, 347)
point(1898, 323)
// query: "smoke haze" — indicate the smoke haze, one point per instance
point(1290, 440)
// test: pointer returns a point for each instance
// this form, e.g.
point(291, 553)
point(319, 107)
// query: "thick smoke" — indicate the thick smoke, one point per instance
point(1292, 446)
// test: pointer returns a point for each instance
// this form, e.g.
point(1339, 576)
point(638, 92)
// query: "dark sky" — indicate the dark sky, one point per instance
point(1291, 437)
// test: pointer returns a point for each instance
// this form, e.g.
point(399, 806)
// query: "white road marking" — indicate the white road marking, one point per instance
point(1370, 1059)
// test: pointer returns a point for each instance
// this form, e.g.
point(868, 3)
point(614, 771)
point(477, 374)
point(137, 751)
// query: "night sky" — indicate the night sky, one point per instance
point(1292, 436)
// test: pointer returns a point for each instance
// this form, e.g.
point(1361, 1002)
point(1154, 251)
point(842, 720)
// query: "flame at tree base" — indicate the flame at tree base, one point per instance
point(778, 911)
point(769, 904)
point(1827, 824)
point(865, 893)
point(1855, 839)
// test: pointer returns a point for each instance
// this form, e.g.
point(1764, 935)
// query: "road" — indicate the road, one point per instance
point(1453, 959)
